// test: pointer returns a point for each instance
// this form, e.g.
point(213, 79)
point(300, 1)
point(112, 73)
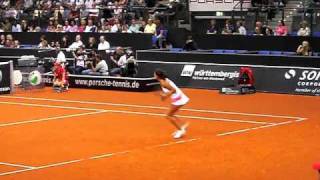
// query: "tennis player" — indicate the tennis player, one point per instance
point(178, 100)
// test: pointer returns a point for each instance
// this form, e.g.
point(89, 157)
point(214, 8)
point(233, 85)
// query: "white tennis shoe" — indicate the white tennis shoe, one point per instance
point(179, 134)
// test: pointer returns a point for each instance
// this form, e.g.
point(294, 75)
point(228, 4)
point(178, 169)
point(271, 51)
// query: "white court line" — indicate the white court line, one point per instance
point(191, 117)
point(149, 107)
point(256, 128)
point(16, 165)
point(49, 119)
point(101, 156)
point(50, 106)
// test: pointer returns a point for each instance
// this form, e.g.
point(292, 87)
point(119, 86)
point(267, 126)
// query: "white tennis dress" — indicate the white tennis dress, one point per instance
point(178, 98)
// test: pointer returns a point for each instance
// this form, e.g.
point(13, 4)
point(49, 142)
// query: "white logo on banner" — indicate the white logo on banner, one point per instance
point(0, 75)
point(290, 74)
point(188, 70)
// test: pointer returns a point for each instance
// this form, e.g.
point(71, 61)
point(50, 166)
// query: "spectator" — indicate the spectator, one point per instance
point(269, 31)
point(92, 43)
point(116, 27)
point(161, 34)
point(304, 29)
point(241, 30)
point(119, 60)
point(24, 26)
point(66, 27)
point(125, 29)
point(212, 27)
point(65, 42)
point(43, 43)
point(7, 26)
point(134, 27)
point(80, 58)
point(16, 44)
point(150, 27)
point(105, 28)
point(228, 29)
point(304, 49)
point(16, 27)
point(103, 45)
point(2, 40)
point(73, 26)
point(59, 28)
point(90, 27)
point(101, 67)
point(83, 24)
point(77, 43)
point(281, 29)
point(51, 27)
point(190, 45)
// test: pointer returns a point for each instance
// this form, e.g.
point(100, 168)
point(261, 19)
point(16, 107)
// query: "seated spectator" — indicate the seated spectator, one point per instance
point(24, 26)
point(59, 28)
point(228, 29)
point(43, 43)
point(83, 24)
point(66, 27)
point(105, 29)
point(73, 26)
point(281, 29)
point(259, 30)
point(6, 26)
point(16, 27)
point(134, 26)
point(92, 43)
point(16, 44)
point(190, 45)
point(161, 34)
point(2, 40)
point(241, 30)
point(119, 58)
point(80, 58)
point(304, 29)
point(212, 27)
point(90, 27)
point(125, 29)
point(116, 27)
point(269, 31)
point(304, 49)
point(101, 67)
point(103, 45)
point(150, 27)
point(77, 43)
point(51, 27)
point(65, 42)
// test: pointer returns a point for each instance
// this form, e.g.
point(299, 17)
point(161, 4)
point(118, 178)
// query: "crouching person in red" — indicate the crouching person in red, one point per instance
point(60, 80)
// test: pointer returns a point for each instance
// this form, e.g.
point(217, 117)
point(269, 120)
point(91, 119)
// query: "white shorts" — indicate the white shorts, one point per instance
point(182, 101)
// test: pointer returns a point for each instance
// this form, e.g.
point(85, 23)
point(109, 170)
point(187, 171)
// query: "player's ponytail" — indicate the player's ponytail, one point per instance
point(161, 74)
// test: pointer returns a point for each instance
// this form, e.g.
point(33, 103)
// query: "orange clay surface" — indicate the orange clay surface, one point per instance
point(100, 135)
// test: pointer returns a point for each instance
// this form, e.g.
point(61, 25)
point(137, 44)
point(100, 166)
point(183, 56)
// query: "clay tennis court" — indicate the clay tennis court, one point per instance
point(91, 134)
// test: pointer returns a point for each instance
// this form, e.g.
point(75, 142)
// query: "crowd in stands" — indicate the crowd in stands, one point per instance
point(260, 29)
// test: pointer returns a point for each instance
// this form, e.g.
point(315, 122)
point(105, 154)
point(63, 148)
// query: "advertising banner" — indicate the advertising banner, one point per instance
point(217, 5)
point(5, 78)
point(295, 80)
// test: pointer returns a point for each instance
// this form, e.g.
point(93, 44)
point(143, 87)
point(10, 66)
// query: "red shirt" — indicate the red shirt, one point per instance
point(59, 72)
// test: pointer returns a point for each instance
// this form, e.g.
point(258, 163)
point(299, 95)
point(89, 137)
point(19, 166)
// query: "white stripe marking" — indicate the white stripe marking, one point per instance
point(191, 117)
point(49, 119)
point(150, 107)
point(102, 156)
point(255, 128)
point(16, 165)
point(50, 106)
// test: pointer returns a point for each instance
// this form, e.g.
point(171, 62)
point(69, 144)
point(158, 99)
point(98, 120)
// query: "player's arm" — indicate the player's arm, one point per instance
point(166, 85)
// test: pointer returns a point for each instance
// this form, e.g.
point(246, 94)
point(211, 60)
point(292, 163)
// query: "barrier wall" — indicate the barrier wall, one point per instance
point(248, 59)
point(136, 41)
point(276, 79)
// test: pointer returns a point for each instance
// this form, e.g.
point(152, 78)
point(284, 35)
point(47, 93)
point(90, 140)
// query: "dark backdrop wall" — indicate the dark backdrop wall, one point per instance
point(136, 41)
